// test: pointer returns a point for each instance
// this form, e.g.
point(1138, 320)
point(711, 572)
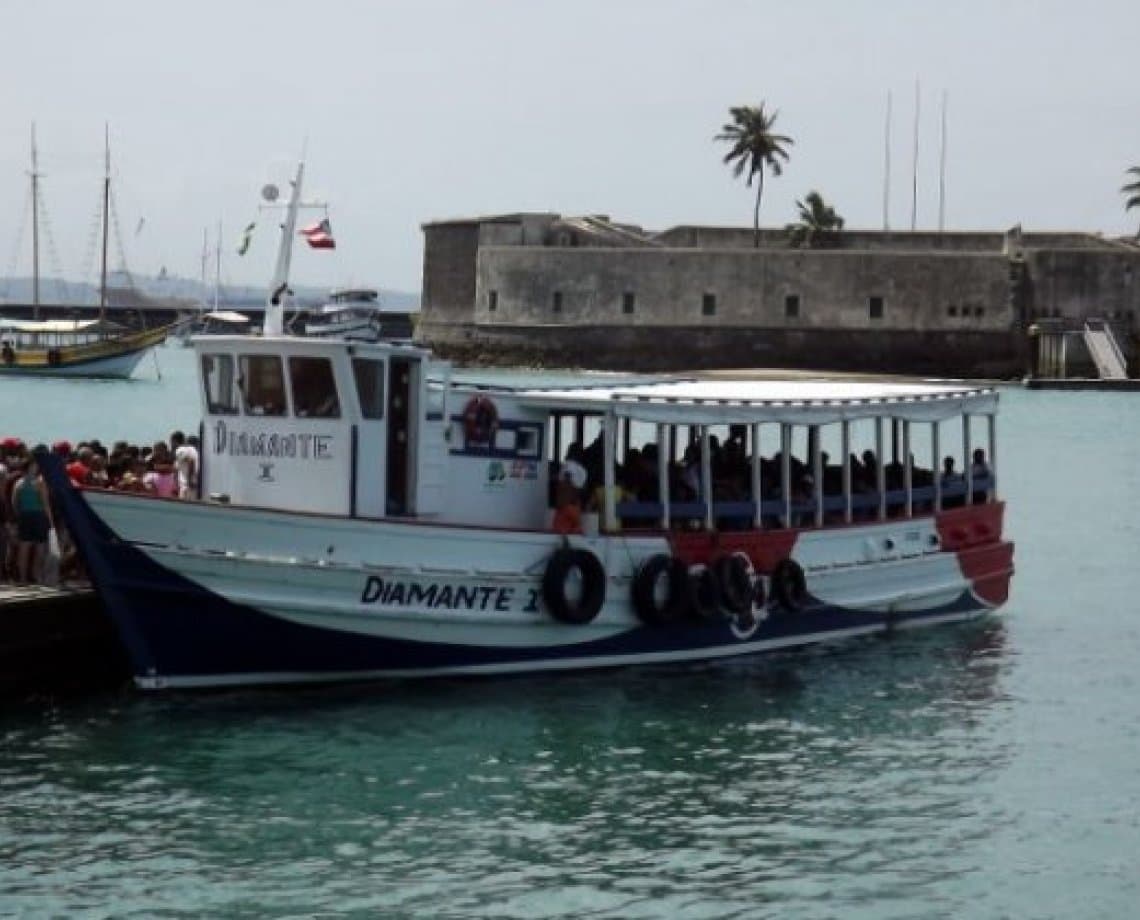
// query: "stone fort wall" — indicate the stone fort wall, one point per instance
point(539, 289)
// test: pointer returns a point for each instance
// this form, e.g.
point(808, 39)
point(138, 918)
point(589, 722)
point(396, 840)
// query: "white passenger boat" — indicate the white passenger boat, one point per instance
point(365, 512)
point(356, 314)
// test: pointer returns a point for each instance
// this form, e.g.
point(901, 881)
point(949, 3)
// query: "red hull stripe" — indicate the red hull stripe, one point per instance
point(764, 548)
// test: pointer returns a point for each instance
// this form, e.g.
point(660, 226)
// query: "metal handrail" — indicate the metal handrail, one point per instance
point(1109, 337)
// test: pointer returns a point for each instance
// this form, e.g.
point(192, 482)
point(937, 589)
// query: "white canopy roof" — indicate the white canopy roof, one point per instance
point(48, 325)
point(226, 316)
point(806, 402)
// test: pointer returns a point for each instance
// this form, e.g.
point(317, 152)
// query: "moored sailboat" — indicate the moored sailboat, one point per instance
point(73, 347)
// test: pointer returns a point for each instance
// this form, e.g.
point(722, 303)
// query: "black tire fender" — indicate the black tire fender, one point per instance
point(734, 575)
point(789, 584)
point(650, 606)
point(704, 592)
point(559, 568)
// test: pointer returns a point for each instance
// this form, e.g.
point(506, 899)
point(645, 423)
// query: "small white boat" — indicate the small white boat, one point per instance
point(358, 314)
point(366, 513)
point(350, 314)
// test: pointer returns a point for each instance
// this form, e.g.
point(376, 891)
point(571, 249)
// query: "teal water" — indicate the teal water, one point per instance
point(991, 770)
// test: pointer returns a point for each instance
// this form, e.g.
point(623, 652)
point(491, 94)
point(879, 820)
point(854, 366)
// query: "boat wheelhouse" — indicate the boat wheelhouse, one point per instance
point(367, 511)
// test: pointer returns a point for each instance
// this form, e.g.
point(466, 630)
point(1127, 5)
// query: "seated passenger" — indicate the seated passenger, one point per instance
point(951, 484)
point(980, 473)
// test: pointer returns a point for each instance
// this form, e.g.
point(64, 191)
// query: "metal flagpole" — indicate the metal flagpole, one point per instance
point(942, 171)
point(914, 163)
point(887, 167)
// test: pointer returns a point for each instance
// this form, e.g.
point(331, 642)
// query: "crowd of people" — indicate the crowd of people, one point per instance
point(579, 484)
point(34, 546)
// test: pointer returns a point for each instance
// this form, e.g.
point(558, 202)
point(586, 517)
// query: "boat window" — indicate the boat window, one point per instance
point(369, 377)
point(262, 385)
point(528, 438)
point(218, 377)
point(314, 388)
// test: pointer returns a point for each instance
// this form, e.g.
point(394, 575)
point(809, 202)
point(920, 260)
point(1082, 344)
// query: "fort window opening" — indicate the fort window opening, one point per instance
point(492, 301)
point(875, 307)
point(708, 305)
point(792, 306)
point(952, 311)
point(627, 301)
point(556, 302)
point(979, 311)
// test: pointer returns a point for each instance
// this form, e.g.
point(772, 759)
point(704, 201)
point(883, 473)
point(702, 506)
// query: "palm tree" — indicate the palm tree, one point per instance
point(1132, 190)
point(819, 224)
point(754, 147)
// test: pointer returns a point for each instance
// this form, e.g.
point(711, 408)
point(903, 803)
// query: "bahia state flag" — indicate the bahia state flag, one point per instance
point(246, 239)
point(319, 235)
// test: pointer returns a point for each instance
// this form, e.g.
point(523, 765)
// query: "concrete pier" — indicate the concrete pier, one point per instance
point(56, 640)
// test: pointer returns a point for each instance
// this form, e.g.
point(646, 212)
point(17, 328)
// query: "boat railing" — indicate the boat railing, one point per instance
point(863, 504)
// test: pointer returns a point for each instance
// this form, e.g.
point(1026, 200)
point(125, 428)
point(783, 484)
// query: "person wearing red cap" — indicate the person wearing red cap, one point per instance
point(63, 448)
point(79, 469)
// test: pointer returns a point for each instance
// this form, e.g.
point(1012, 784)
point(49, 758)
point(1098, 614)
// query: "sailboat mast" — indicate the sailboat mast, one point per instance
point(106, 215)
point(35, 229)
point(279, 287)
point(218, 267)
point(205, 256)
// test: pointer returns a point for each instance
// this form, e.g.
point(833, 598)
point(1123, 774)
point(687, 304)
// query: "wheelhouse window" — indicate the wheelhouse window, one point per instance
point(369, 377)
point(220, 382)
point(314, 388)
point(263, 385)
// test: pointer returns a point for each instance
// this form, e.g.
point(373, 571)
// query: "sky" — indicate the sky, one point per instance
point(420, 111)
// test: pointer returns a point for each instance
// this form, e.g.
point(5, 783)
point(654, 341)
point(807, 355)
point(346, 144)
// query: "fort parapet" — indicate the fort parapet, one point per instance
point(589, 292)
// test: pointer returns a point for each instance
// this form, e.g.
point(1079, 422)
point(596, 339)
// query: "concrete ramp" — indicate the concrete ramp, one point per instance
point(1105, 352)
